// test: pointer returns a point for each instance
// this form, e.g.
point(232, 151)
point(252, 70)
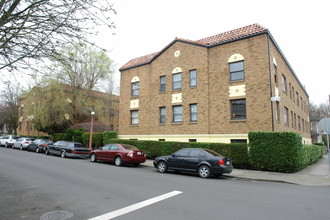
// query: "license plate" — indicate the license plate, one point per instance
point(139, 153)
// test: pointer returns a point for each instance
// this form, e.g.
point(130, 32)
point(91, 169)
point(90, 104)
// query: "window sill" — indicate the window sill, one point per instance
point(237, 120)
point(177, 123)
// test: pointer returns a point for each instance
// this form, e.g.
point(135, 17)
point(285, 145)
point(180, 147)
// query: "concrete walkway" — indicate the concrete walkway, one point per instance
point(317, 174)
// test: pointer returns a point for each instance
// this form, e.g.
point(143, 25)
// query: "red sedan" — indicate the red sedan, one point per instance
point(119, 154)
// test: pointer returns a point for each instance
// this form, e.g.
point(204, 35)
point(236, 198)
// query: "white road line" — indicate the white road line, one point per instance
point(136, 206)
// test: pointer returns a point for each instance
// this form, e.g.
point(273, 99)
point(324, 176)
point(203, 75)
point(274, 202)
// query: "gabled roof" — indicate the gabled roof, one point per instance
point(229, 36)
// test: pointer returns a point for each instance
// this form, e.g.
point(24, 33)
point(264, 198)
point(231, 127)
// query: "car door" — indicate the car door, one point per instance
point(102, 153)
point(178, 160)
point(56, 148)
point(111, 154)
point(18, 142)
point(194, 158)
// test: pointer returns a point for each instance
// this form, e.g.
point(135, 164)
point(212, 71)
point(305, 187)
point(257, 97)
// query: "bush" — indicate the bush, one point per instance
point(97, 140)
point(281, 151)
point(107, 135)
point(238, 153)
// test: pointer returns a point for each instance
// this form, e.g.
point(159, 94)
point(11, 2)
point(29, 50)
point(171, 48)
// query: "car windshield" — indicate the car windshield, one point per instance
point(129, 147)
point(28, 139)
point(213, 152)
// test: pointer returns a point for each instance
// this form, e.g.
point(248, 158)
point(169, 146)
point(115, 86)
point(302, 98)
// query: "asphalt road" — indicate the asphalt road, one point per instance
point(36, 186)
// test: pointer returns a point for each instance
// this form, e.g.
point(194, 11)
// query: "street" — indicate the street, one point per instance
point(32, 185)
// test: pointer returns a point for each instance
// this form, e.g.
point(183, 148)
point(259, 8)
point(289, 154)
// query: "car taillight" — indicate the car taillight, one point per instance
point(130, 154)
point(26, 142)
point(221, 162)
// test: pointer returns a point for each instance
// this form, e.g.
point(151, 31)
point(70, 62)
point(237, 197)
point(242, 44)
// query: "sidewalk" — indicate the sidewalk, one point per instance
point(317, 174)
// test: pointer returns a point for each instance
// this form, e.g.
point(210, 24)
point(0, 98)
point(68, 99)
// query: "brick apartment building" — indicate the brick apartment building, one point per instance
point(216, 89)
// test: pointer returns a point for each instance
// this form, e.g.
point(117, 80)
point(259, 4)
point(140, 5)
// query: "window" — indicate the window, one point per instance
point(192, 140)
point(293, 98)
point(286, 116)
point(162, 115)
point(193, 78)
point(275, 73)
point(278, 115)
point(238, 141)
point(292, 119)
point(297, 97)
point(303, 125)
point(194, 152)
point(182, 153)
point(177, 81)
point(299, 127)
point(295, 121)
point(238, 109)
point(177, 113)
point(193, 112)
point(284, 84)
point(161, 139)
point(135, 89)
point(135, 117)
point(236, 71)
point(301, 103)
point(290, 90)
point(162, 83)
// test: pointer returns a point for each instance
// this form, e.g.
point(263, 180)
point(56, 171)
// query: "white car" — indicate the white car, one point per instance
point(8, 141)
point(22, 143)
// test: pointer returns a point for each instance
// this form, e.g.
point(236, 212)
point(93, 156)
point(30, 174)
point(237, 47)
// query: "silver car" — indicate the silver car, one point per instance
point(22, 143)
point(9, 140)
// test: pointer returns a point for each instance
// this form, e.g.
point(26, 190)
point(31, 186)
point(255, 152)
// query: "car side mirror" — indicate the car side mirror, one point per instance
point(173, 155)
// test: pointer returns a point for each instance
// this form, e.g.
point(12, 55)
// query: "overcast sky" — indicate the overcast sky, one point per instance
point(300, 27)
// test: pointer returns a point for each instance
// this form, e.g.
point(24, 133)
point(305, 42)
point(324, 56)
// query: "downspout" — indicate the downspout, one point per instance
point(270, 80)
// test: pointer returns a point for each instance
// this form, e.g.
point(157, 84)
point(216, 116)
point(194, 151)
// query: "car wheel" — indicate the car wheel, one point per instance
point(118, 161)
point(162, 167)
point(21, 147)
point(37, 150)
point(93, 158)
point(204, 171)
point(47, 152)
point(63, 154)
point(6, 145)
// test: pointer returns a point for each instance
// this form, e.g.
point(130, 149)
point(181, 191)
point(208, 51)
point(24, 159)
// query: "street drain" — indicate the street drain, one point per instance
point(56, 215)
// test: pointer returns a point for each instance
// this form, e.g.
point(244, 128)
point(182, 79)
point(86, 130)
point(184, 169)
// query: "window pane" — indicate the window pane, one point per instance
point(177, 79)
point(162, 113)
point(238, 109)
point(135, 89)
point(177, 113)
point(193, 112)
point(236, 71)
point(163, 83)
point(193, 77)
point(238, 66)
point(134, 117)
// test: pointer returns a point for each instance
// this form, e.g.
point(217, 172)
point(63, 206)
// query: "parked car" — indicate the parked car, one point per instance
point(22, 143)
point(39, 145)
point(9, 140)
point(203, 161)
point(119, 154)
point(67, 149)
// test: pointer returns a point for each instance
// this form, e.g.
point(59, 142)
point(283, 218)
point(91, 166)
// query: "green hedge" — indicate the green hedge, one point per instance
point(238, 153)
point(107, 135)
point(97, 140)
point(281, 151)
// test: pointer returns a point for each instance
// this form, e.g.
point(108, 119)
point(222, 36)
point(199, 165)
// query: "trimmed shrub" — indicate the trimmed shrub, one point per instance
point(238, 153)
point(277, 151)
point(97, 140)
point(107, 135)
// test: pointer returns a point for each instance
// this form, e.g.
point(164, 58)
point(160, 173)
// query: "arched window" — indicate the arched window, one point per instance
point(236, 67)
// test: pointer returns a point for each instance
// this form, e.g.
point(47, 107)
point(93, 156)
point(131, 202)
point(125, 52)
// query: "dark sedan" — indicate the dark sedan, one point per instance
point(39, 145)
point(119, 154)
point(203, 161)
point(67, 149)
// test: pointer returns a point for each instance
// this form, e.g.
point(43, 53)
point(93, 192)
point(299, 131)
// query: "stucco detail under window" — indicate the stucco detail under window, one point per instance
point(238, 90)
point(134, 104)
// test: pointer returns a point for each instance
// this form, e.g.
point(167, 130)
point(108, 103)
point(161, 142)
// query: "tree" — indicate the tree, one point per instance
point(9, 113)
point(80, 67)
point(37, 29)
point(317, 112)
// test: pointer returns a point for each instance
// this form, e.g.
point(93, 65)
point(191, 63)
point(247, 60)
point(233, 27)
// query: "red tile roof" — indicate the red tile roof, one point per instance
point(225, 37)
